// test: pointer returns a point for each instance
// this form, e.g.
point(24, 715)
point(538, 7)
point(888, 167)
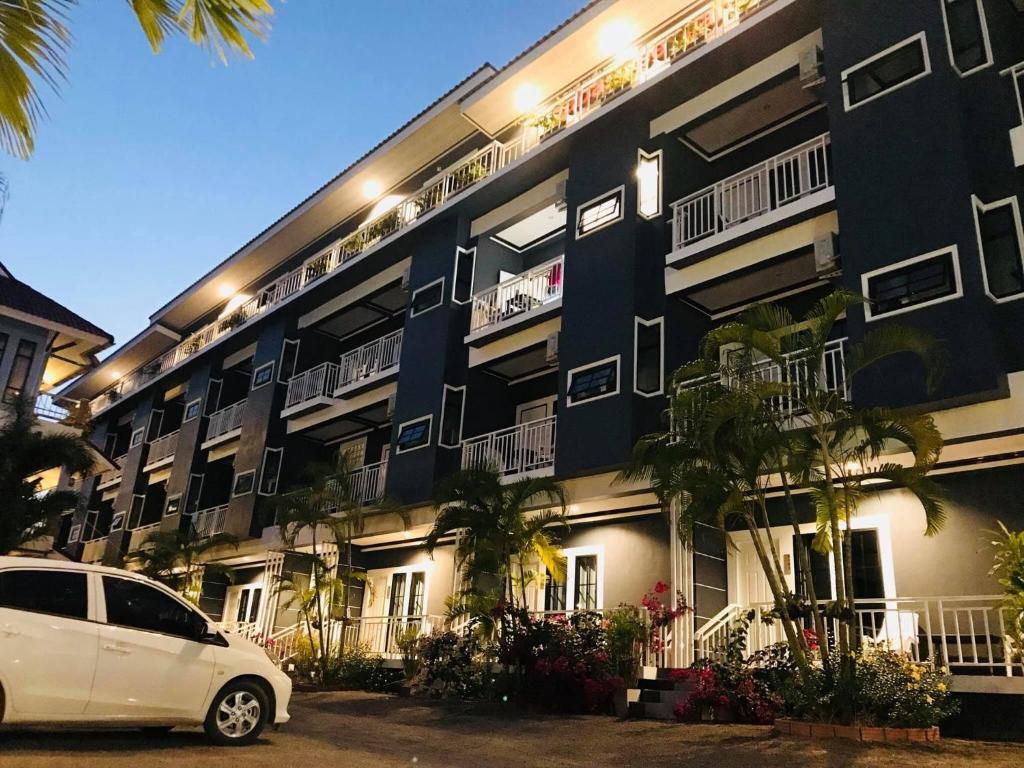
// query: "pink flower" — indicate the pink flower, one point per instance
point(660, 587)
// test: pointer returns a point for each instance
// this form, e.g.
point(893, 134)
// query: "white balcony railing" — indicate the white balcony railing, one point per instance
point(46, 409)
point(377, 357)
point(112, 476)
point(752, 193)
point(320, 381)
point(162, 448)
point(529, 290)
point(93, 550)
point(225, 420)
point(140, 536)
point(210, 522)
point(368, 482)
point(513, 451)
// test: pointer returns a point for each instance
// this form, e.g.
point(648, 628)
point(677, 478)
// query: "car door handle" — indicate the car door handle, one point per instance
point(117, 649)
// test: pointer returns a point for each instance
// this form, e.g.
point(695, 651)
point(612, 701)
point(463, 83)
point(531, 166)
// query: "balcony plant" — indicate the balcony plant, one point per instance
point(546, 124)
point(1008, 569)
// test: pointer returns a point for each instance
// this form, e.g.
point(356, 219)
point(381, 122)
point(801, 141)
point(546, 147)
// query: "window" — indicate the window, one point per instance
point(138, 506)
point(462, 284)
point(648, 357)
point(600, 212)
point(154, 425)
point(966, 35)
point(263, 375)
point(136, 605)
point(213, 396)
point(912, 284)
point(193, 494)
point(271, 472)
point(137, 436)
point(554, 594)
point(289, 360)
point(1001, 244)
point(20, 370)
point(428, 297)
point(592, 382)
point(75, 534)
point(648, 184)
point(192, 410)
point(868, 581)
point(173, 505)
point(885, 72)
point(585, 592)
point(244, 483)
point(58, 593)
point(452, 408)
point(413, 435)
point(117, 523)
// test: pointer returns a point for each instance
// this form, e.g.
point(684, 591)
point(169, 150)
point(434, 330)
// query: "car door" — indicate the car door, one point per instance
point(149, 665)
point(48, 646)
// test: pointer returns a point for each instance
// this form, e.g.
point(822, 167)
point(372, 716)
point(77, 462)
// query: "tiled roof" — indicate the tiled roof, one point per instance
point(22, 297)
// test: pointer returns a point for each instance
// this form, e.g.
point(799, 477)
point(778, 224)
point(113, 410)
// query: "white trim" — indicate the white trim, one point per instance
point(188, 490)
point(620, 192)
point(571, 554)
point(75, 533)
point(117, 521)
point(637, 322)
point(978, 205)
point(870, 314)
point(253, 386)
point(234, 483)
point(657, 157)
point(617, 359)
point(141, 434)
point(429, 418)
point(199, 412)
point(459, 250)
point(211, 402)
point(167, 504)
point(280, 359)
point(462, 414)
point(984, 36)
point(263, 472)
point(921, 38)
point(387, 574)
point(412, 299)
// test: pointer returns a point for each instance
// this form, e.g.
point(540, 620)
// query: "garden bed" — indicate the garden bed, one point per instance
point(809, 730)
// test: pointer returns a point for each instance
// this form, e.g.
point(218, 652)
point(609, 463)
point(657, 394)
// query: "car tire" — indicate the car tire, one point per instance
point(238, 714)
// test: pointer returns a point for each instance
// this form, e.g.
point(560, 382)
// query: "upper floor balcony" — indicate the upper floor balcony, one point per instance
point(783, 186)
point(161, 451)
point(112, 477)
point(225, 424)
point(367, 482)
point(210, 522)
point(529, 295)
point(525, 450)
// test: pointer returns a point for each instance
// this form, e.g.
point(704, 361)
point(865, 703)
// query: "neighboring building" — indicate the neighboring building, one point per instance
point(535, 252)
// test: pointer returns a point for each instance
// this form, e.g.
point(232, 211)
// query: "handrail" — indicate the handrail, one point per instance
point(367, 482)
point(112, 475)
point(514, 450)
point(319, 381)
point(211, 521)
point(162, 447)
point(378, 356)
point(527, 290)
point(225, 420)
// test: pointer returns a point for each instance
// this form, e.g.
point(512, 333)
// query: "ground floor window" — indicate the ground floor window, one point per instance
point(584, 582)
point(868, 581)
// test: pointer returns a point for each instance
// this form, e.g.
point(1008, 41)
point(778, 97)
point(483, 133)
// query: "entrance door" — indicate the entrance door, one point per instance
point(751, 584)
point(243, 604)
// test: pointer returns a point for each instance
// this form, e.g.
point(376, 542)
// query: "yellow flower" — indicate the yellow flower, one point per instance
point(928, 699)
point(941, 686)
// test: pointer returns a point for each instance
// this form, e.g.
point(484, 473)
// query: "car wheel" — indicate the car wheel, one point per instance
point(237, 715)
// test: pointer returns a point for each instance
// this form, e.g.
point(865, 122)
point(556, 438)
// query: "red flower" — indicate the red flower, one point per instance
point(660, 587)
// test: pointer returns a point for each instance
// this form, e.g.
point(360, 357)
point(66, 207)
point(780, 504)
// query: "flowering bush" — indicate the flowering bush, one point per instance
point(893, 690)
point(661, 614)
point(451, 665)
point(721, 693)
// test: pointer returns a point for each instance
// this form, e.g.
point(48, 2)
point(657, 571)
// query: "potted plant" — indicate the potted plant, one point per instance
point(408, 645)
point(547, 124)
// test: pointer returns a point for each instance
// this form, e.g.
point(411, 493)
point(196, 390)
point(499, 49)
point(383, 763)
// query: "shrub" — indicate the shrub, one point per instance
point(722, 692)
point(892, 690)
point(451, 665)
point(355, 669)
point(626, 635)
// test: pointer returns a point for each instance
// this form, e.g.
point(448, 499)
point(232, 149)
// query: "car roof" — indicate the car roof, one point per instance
point(68, 565)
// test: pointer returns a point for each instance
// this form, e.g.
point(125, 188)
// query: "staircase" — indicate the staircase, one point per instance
point(656, 695)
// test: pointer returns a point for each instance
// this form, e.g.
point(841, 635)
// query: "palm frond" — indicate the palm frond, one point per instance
point(890, 341)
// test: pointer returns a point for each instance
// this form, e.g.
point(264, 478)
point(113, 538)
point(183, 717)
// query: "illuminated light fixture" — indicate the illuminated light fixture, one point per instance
point(234, 303)
point(616, 38)
point(372, 189)
point(226, 291)
point(854, 467)
point(48, 378)
point(382, 206)
point(648, 182)
point(115, 374)
point(527, 97)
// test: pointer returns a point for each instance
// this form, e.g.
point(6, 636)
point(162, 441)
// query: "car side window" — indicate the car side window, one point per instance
point(58, 593)
point(139, 606)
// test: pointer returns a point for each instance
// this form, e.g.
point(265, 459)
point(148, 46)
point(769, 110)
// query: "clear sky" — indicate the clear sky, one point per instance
point(151, 169)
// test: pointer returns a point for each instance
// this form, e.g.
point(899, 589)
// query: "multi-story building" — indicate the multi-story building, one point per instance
point(511, 277)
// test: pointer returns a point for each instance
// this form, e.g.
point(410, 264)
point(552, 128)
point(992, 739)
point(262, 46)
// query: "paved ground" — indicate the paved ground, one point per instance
point(357, 730)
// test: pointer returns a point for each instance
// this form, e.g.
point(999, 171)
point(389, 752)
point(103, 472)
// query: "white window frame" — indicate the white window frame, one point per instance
point(617, 359)
point(921, 38)
point(429, 418)
point(253, 386)
point(138, 438)
point(75, 534)
point(263, 472)
point(869, 313)
point(117, 522)
point(660, 322)
point(178, 497)
point(984, 35)
point(657, 157)
point(199, 412)
point(280, 359)
point(371, 596)
point(412, 299)
point(978, 206)
point(462, 414)
point(620, 192)
point(212, 402)
point(459, 250)
point(571, 554)
point(188, 490)
point(234, 483)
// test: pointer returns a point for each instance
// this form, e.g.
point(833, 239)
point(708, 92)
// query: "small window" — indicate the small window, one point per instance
point(648, 184)
point(966, 35)
point(75, 534)
point(173, 505)
point(554, 594)
point(1002, 250)
point(413, 435)
point(136, 605)
point(599, 213)
point(20, 370)
point(648, 357)
point(270, 475)
point(212, 396)
point(138, 506)
point(452, 408)
point(593, 382)
point(57, 593)
point(193, 494)
point(462, 284)
point(289, 360)
point(428, 297)
point(137, 436)
point(891, 69)
point(244, 483)
point(117, 523)
point(585, 592)
point(192, 410)
point(912, 284)
point(263, 375)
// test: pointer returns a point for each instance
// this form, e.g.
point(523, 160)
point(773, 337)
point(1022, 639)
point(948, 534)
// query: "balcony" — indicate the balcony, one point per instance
point(525, 450)
point(224, 424)
point(112, 477)
point(161, 451)
point(312, 389)
point(369, 363)
point(139, 539)
point(368, 482)
point(93, 550)
point(46, 409)
point(210, 522)
point(530, 295)
point(783, 186)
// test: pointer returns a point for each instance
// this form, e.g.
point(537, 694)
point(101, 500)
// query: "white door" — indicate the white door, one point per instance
point(47, 644)
point(243, 604)
point(148, 664)
point(534, 410)
point(751, 584)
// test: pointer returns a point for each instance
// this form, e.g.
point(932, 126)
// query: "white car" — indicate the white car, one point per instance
point(86, 645)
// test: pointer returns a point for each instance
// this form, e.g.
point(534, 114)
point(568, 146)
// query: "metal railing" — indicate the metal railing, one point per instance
point(320, 381)
point(112, 476)
point(140, 536)
point(93, 550)
point(162, 448)
point(529, 290)
point(225, 420)
point(210, 522)
point(514, 450)
point(368, 482)
point(46, 409)
point(752, 193)
point(379, 356)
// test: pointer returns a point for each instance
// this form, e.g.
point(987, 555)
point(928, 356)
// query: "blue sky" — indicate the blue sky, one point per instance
point(151, 169)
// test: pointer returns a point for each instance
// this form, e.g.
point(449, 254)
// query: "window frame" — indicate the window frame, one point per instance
point(985, 40)
point(281, 379)
point(657, 157)
point(462, 415)
point(83, 575)
point(571, 554)
point(460, 251)
point(263, 471)
point(618, 193)
point(979, 206)
point(253, 386)
point(660, 322)
point(429, 418)
point(75, 534)
point(198, 403)
point(921, 39)
point(139, 433)
point(870, 315)
point(118, 522)
point(617, 359)
point(12, 370)
point(249, 473)
point(105, 617)
point(413, 312)
point(177, 499)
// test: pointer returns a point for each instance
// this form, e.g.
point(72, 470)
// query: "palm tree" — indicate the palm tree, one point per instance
point(178, 559)
point(25, 453)
point(34, 38)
